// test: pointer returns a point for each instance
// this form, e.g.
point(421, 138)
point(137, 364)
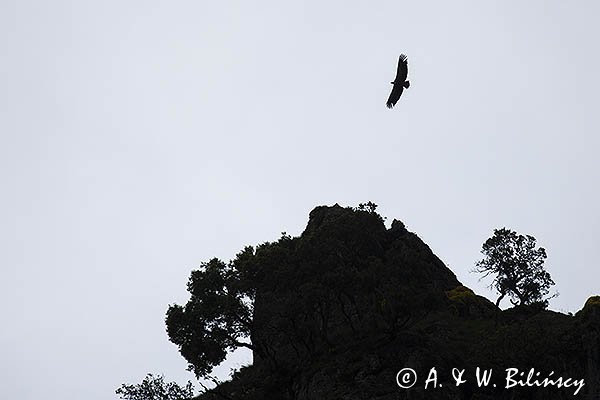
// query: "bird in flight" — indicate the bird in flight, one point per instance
point(400, 83)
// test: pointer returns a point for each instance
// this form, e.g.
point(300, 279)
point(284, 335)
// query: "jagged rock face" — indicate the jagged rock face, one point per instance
point(409, 259)
point(342, 308)
point(345, 276)
point(590, 321)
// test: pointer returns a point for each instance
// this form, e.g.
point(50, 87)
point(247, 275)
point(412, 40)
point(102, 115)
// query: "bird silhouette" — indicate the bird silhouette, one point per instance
point(400, 83)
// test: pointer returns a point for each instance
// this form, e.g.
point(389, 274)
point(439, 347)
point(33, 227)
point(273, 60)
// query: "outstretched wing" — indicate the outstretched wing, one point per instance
point(402, 71)
point(395, 95)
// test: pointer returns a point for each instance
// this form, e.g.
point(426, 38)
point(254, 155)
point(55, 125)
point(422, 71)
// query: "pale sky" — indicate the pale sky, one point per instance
point(140, 138)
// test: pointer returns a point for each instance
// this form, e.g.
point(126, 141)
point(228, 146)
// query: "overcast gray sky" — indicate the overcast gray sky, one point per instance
point(140, 138)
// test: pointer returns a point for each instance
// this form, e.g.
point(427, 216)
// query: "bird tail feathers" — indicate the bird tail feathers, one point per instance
point(406, 84)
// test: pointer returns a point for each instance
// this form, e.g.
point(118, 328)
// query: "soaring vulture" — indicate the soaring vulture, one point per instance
point(400, 82)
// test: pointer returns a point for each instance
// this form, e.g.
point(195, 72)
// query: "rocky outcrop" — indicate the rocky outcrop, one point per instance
point(341, 309)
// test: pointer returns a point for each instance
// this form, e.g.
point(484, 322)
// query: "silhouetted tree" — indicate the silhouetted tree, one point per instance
point(155, 388)
point(518, 265)
point(216, 319)
point(368, 206)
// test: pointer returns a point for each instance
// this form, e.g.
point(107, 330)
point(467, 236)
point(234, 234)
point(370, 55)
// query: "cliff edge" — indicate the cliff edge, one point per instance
point(341, 309)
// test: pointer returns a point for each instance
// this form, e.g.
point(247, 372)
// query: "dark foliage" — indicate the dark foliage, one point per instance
point(518, 266)
point(155, 388)
point(217, 318)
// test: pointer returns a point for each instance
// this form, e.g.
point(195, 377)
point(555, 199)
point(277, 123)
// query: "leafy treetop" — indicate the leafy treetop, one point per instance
point(518, 266)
